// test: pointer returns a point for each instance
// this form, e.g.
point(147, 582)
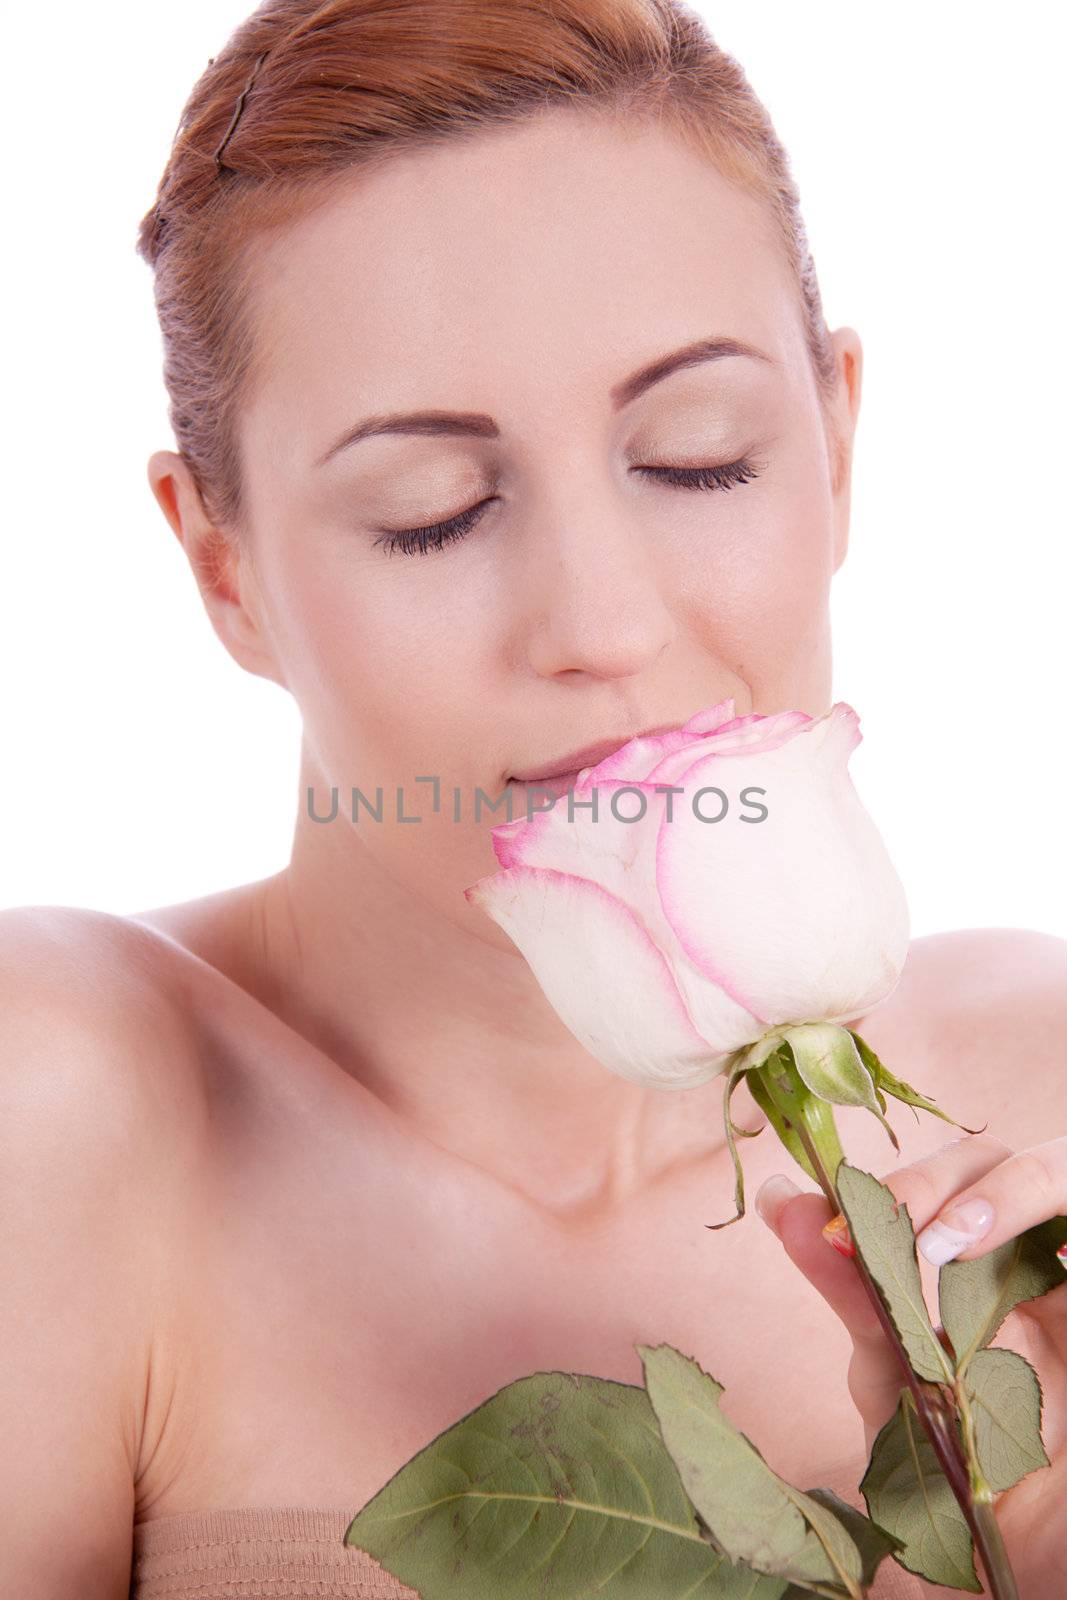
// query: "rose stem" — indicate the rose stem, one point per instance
point(980, 1518)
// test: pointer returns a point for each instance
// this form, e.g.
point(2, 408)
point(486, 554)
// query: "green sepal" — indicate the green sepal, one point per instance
point(801, 1109)
point(884, 1079)
point(736, 1073)
point(785, 1130)
point(830, 1063)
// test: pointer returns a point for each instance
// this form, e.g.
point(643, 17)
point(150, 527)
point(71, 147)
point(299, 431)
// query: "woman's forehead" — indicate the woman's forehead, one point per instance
point(521, 246)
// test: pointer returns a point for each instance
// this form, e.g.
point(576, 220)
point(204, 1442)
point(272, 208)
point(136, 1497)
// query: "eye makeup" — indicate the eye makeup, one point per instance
point(434, 536)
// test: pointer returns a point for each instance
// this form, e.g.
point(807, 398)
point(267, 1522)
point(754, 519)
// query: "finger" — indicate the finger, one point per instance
point(1016, 1193)
point(927, 1184)
point(796, 1216)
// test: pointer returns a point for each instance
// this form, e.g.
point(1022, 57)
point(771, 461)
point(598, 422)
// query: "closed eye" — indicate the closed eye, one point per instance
point(416, 541)
point(725, 477)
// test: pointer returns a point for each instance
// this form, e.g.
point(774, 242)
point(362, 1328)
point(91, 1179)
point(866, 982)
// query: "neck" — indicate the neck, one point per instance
point(456, 1037)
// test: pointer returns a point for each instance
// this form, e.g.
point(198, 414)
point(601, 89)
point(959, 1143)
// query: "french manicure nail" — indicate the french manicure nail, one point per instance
point(955, 1229)
point(772, 1193)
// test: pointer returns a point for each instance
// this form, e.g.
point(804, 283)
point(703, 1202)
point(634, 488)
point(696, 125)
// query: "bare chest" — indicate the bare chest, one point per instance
point(342, 1305)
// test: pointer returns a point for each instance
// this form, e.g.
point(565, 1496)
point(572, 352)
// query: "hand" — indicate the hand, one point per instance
point(1020, 1190)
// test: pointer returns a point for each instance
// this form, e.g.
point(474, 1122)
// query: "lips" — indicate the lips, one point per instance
point(574, 761)
point(555, 785)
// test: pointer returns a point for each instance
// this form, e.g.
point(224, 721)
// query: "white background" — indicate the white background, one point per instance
point(142, 766)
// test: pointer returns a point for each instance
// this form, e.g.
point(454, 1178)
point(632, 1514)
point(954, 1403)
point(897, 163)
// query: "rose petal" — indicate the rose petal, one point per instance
point(601, 973)
point(621, 856)
point(744, 733)
point(634, 759)
point(802, 914)
point(707, 721)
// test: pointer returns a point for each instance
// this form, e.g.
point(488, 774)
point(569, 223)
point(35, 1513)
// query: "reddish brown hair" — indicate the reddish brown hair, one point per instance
point(304, 92)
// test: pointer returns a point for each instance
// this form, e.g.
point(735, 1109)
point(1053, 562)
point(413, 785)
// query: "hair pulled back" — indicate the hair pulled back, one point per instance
point(303, 93)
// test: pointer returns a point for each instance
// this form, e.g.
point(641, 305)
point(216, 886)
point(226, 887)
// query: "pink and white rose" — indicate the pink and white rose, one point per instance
point(668, 943)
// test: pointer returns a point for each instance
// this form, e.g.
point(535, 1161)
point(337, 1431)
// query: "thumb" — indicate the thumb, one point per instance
point(797, 1218)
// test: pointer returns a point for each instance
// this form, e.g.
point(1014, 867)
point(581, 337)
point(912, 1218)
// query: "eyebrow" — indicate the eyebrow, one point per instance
point(478, 425)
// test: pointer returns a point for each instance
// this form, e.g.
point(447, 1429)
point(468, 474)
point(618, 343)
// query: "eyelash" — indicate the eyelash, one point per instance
point(416, 541)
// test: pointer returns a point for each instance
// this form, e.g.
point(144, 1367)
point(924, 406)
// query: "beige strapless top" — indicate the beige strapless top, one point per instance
point(280, 1552)
point(291, 1552)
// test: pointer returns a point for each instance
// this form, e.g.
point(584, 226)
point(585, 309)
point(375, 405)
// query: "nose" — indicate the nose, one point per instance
point(594, 600)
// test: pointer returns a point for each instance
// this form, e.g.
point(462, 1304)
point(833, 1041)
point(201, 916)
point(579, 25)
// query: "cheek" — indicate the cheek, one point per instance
point(382, 677)
point(755, 583)
point(769, 559)
point(380, 667)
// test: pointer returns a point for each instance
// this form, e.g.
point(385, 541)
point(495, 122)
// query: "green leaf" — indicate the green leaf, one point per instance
point(900, 1090)
point(874, 1543)
point(908, 1495)
point(558, 1487)
point(752, 1513)
point(829, 1550)
point(975, 1296)
point(1004, 1397)
point(882, 1233)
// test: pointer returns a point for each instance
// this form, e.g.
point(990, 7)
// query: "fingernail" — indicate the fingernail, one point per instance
point(836, 1233)
point(772, 1193)
point(1062, 1254)
point(955, 1229)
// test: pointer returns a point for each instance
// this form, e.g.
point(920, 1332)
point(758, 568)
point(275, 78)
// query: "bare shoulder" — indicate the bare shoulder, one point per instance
point(91, 964)
point(992, 1004)
point(92, 1022)
point(101, 1112)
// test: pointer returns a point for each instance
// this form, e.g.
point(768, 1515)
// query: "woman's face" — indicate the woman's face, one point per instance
point(514, 285)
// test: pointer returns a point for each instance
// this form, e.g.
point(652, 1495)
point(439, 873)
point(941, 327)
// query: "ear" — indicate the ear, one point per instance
point(844, 410)
point(221, 566)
